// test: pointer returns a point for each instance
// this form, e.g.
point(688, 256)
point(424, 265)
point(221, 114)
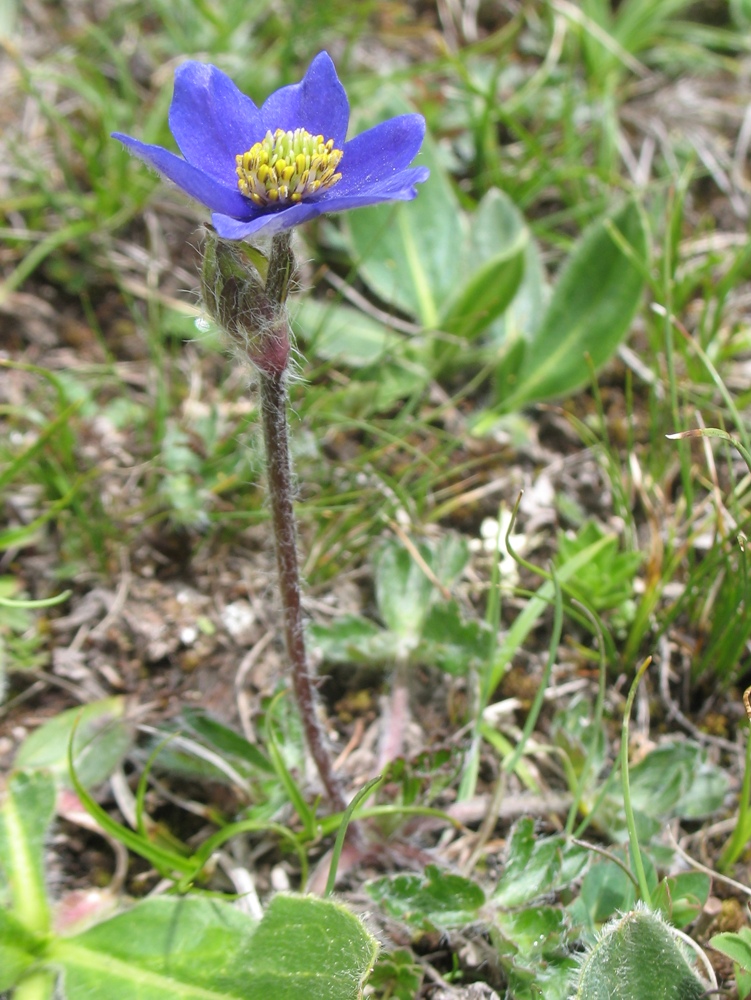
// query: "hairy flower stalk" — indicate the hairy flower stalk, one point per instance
point(253, 312)
point(274, 403)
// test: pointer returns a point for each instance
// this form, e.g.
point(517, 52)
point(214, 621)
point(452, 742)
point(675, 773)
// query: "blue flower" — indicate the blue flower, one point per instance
point(267, 169)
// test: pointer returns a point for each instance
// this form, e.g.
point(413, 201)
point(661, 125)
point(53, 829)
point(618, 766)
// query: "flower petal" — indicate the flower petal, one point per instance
point(193, 181)
point(212, 121)
point(318, 103)
point(398, 188)
point(379, 154)
point(270, 224)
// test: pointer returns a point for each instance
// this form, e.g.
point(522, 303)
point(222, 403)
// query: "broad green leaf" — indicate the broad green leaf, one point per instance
point(524, 314)
point(590, 311)
point(531, 931)
point(352, 639)
point(194, 948)
point(186, 947)
point(403, 591)
point(535, 866)
point(496, 250)
point(436, 900)
point(496, 227)
point(102, 738)
point(736, 945)
point(449, 555)
point(26, 814)
point(407, 253)
point(605, 890)
point(572, 730)
point(681, 898)
point(677, 779)
point(451, 643)
point(637, 956)
point(18, 949)
point(396, 974)
point(549, 980)
point(312, 948)
point(337, 332)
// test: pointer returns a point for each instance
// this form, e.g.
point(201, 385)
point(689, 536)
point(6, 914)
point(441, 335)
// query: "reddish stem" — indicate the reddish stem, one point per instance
point(274, 408)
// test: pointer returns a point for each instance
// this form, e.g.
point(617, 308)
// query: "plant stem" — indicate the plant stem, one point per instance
point(246, 292)
point(38, 985)
point(274, 410)
point(633, 839)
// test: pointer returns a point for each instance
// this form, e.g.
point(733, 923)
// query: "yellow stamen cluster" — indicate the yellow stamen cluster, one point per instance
point(286, 167)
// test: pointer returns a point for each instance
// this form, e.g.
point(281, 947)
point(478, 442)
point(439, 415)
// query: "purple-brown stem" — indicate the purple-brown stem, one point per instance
point(275, 431)
point(274, 408)
point(245, 290)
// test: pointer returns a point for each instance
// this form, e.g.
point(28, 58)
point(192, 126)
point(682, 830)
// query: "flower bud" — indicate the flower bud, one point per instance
point(237, 297)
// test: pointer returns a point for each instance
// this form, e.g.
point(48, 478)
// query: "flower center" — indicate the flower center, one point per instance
point(286, 167)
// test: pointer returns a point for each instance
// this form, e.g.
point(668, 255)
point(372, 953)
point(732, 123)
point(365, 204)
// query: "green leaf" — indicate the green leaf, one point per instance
point(591, 309)
point(439, 900)
point(18, 949)
point(448, 555)
point(187, 947)
point(681, 898)
point(25, 817)
point(605, 889)
point(496, 251)
point(524, 314)
point(403, 591)
point(741, 13)
point(312, 948)
point(637, 956)
point(736, 945)
point(195, 948)
point(608, 580)
point(396, 974)
point(352, 639)
point(226, 740)
point(406, 253)
point(536, 968)
point(677, 779)
point(536, 865)
point(549, 980)
point(102, 738)
point(337, 332)
point(449, 642)
point(532, 932)
point(742, 983)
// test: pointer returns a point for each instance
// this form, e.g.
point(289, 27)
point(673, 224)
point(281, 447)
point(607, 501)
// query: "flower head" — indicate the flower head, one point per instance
point(267, 169)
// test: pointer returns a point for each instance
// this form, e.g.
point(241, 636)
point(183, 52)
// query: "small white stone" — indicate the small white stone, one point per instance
point(239, 618)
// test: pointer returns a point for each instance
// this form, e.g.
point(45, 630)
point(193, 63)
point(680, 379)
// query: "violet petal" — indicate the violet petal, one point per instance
point(318, 103)
point(193, 181)
point(212, 121)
